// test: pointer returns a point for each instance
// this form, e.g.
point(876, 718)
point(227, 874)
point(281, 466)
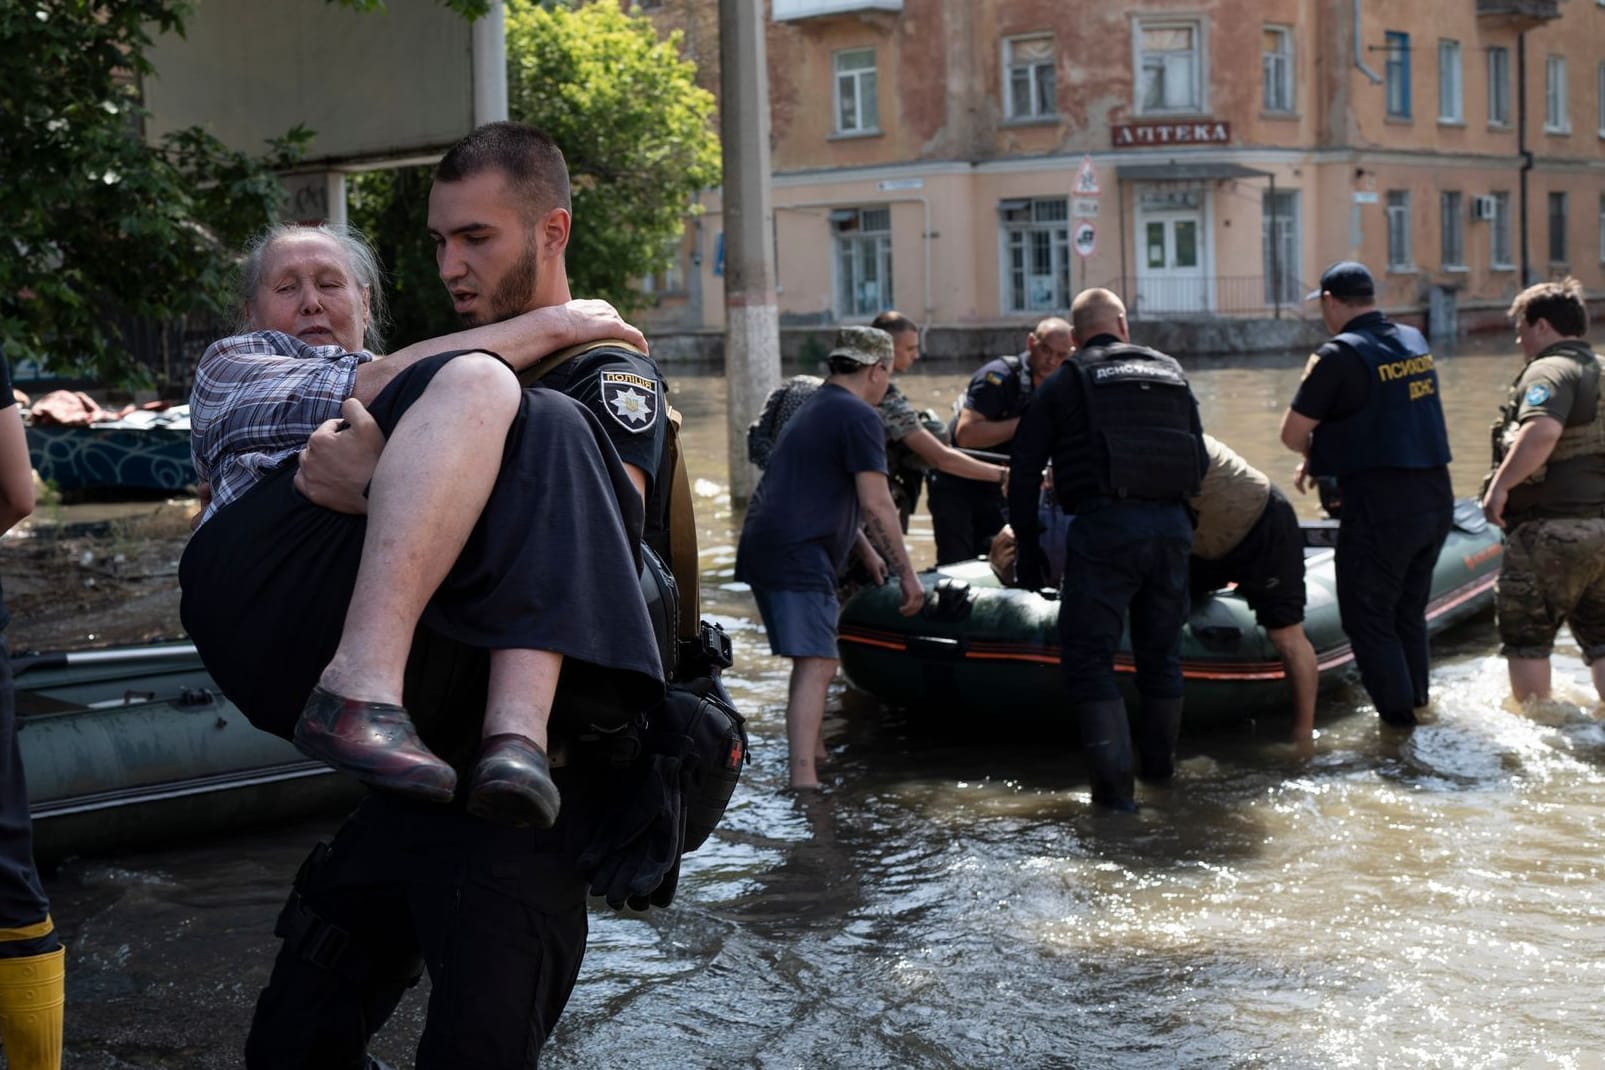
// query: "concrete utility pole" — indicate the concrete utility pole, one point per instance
point(752, 313)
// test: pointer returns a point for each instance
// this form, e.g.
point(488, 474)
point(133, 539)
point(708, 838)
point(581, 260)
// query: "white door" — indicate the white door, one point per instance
point(1170, 262)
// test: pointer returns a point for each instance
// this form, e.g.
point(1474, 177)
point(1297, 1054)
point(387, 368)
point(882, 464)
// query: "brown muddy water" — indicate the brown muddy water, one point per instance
point(1422, 900)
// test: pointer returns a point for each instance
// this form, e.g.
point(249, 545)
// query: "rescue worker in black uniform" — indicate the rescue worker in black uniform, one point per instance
point(403, 882)
point(1369, 414)
point(32, 960)
point(1121, 426)
point(965, 512)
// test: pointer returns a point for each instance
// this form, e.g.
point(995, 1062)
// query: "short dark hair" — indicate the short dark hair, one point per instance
point(1561, 303)
point(530, 159)
point(894, 322)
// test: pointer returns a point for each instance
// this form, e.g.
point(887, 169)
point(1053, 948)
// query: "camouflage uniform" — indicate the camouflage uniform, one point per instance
point(1554, 565)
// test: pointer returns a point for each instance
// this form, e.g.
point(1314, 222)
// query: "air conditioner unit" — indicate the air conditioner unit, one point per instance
point(1484, 207)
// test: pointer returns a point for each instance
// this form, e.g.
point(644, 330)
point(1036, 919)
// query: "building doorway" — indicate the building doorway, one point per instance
point(1170, 253)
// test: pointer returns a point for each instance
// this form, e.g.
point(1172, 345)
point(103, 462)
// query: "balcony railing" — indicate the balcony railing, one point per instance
point(1518, 14)
point(792, 10)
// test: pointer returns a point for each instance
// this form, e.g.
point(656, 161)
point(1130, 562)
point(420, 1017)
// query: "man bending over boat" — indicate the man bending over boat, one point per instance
point(1121, 426)
point(32, 960)
point(1547, 491)
point(1248, 534)
point(827, 473)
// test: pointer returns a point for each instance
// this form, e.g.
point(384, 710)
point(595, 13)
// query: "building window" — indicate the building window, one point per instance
point(1280, 249)
point(863, 261)
point(1602, 228)
point(1499, 231)
point(1499, 87)
point(1555, 120)
point(1170, 58)
point(856, 109)
point(1450, 108)
point(1399, 230)
point(1452, 253)
point(1557, 228)
point(1028, 66)
point(1397, 74)
point(1036, 241)
point(1276, 67)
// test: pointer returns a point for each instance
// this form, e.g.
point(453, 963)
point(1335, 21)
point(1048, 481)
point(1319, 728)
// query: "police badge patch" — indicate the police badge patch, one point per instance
point(630, 399)
point(1537, 394)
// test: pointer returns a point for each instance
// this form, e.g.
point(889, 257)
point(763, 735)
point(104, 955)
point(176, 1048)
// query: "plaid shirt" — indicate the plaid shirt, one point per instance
point(257, 399)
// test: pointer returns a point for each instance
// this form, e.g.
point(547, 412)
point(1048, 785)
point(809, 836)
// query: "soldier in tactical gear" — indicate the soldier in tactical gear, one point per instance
point(1547, 490)
point(1368, 412)
point(1121, 426)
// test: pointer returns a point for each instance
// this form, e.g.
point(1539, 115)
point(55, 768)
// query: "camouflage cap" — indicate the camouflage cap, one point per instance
point(863, 345)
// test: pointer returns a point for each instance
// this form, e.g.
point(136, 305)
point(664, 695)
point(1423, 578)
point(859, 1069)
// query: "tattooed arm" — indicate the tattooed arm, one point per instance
point(880, 524)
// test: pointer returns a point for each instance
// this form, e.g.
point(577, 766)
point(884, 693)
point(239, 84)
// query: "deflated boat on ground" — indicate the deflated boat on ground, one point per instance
point(136, 746)
point(980, 648)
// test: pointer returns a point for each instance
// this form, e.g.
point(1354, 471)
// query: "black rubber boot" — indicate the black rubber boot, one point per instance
point(1156, 738)
point(1107, 737)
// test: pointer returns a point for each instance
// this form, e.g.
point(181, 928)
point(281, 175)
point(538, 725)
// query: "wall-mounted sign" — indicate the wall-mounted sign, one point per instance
point(1086, 180)
point(891, 184)
point(1365, 196)
point(1144, 135)
point(1084, 207)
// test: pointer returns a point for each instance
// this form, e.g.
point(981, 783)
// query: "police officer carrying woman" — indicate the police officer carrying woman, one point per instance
point(1121, 426)
point(1368, 413)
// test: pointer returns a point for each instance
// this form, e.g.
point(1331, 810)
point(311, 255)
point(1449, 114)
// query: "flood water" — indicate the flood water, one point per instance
point(1422, 900)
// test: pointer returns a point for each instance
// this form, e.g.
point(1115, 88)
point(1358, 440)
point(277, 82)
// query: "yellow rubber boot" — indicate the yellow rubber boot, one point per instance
point(32, 991)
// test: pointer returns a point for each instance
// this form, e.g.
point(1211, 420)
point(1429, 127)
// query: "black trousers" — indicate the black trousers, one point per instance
point(1384, 580)
point(496, 915)
point(22, 897)
point(965, 514)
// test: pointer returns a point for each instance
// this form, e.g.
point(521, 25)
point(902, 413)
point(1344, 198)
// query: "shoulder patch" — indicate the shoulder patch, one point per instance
point(631, 399)
point(994, 378)
point(1537, 394)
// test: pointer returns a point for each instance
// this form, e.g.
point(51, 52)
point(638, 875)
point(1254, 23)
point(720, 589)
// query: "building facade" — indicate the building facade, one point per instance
point(974, 163)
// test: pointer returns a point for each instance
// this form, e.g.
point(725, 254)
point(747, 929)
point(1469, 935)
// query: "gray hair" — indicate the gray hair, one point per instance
point(361, 261)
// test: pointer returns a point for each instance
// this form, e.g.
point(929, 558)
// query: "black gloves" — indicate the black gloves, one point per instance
point(634, 856)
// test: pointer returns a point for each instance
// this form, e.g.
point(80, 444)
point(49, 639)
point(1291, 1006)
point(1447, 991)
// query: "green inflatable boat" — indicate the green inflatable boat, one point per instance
point(134, 746)
point(979, 647)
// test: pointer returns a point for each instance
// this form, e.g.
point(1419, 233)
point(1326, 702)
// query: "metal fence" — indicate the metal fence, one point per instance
point(1214, 297)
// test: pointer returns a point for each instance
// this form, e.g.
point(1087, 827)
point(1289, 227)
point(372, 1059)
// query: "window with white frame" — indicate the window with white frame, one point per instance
point(1279, 234)
point(863, 261)
point(1028, 66)
point(1555, 120)
point(1450, 106)
point(857, 111)
point(1452, 228)
point(1557, 227)
point(1499, 231)
point(1396, 74)
point(1399, 230)
point(1498, 86)
point(1036, 254)
point(1276, 68)
point(1170, 62)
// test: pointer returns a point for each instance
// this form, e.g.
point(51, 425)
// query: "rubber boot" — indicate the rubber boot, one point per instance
point(1156, 739)
point(1107, 737)
point(32, 991)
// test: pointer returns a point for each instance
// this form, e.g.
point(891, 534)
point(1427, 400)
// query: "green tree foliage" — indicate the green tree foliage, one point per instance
point(103, 229)
point(636, 130)
point(637, 133)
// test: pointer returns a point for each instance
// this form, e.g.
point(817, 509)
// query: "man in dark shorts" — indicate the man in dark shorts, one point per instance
point(1247, 534)
point(826, 475)
point(1368, 412)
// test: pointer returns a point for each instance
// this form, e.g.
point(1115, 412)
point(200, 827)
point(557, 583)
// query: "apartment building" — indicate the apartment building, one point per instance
point(974, 163)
